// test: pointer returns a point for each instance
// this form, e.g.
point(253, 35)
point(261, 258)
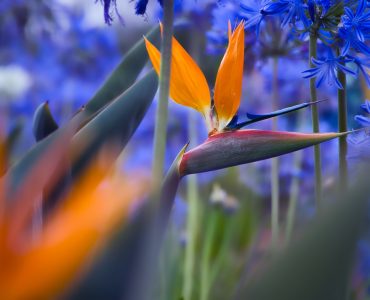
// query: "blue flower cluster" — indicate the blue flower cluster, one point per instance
point(343, 28)
point(281, 26)
point(35, 53)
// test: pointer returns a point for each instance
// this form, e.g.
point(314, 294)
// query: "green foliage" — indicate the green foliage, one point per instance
point(123, 76)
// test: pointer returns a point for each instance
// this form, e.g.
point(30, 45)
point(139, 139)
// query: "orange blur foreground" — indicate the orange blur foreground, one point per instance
point(42, 266)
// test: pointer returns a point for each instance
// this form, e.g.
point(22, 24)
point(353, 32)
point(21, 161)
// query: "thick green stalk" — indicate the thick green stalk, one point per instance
point(342, 127)
point(192, 219)
point(315, 120)
point(160, 135)
point(275, 162)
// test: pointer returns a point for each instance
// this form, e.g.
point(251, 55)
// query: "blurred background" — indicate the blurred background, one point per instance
point(61, 51)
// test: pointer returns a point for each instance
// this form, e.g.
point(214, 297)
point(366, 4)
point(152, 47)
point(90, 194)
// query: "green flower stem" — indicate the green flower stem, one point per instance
point(223, 253)
point(194, 213)
point(315, 121)
point(210, 234)
point(342, 127)
point(294, 190)
point(160, 135)
point(193, 218)
point(275, 162)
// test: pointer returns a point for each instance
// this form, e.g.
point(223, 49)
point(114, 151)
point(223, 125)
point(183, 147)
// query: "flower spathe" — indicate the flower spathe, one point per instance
point(188, 85)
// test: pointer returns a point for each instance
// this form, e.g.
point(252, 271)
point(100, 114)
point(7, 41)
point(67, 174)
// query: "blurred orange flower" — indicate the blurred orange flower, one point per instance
point(42, 267)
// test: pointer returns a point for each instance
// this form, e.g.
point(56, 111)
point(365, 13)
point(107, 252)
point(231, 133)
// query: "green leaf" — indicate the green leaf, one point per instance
point(42, 158)
point(238, 147)
point(116, 123)
point(121, 79)
point(124, 75)
point(112, 127)
point(43, 122)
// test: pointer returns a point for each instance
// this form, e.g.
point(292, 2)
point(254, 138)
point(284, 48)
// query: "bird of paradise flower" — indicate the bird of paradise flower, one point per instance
point(188, 85)
point(226, 145)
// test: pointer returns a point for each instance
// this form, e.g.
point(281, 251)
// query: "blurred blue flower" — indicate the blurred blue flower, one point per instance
point(108, 5)
point(366, 106)
point(358, 22)
point(291, 11)
point(327, 69)
point(362, 120)
point(251, 11)
point(362, 67)
point(350, 40)
point(217, 34)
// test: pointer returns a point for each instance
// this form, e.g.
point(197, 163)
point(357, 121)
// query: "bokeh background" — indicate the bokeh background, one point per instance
point(61, 51)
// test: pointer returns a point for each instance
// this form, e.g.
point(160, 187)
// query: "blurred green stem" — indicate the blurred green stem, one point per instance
point(275, 162)
point(193, 215)
point(342, 127)
point(315, 120)
point(192, 218)
point(205, 270)
point(294, 188)
point(160, 135)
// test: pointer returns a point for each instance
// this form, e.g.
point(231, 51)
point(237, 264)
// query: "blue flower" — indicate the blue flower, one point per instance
point(107, 10)
point(291, 11)
point(140, 6)
point(327, 69)
point(217, 35)
point(358, 22)
point(350, 40)
point(362, 120)
point(366, 106)
point(362, 66)
point(252, 13)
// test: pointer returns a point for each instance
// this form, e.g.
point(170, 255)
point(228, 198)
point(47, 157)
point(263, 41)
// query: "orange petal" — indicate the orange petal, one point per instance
point(188, 86)
point(228, 87)
point(71, 238)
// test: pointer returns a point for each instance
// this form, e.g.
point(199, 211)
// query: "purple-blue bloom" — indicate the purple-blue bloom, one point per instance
point(358, 22)
point(366, 106)
point(217, 35)
point(290, 10)
point(251, 11)
point(108, 4)
point(362, 120)
point(362, 67)
point(350, 40)
point(327, 69)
